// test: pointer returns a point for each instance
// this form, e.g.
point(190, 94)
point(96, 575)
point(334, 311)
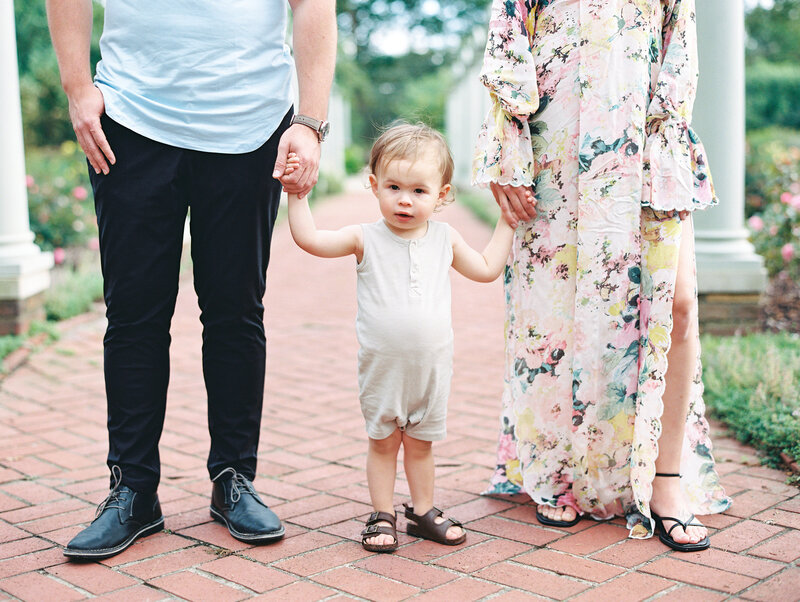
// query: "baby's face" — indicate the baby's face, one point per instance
point(408, 192)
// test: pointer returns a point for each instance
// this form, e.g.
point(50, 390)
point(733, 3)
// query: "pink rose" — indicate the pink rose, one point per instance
point(29, 181)
point(773, 230)
point(786, 198)
point(80, 193)
point(795, 202)
point(59, 255)
point(756, 223)
point(787, 252)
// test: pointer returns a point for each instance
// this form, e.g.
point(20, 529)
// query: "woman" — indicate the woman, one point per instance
point(602, 405)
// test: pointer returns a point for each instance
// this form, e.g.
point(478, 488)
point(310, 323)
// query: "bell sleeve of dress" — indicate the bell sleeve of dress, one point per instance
point(676, 173)
point(503, 152)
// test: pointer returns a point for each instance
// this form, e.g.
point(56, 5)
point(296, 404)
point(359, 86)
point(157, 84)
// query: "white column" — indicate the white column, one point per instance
point(726, 261)
point(24, 269)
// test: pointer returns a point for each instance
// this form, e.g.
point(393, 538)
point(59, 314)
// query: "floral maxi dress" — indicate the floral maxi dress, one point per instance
point(591, 106)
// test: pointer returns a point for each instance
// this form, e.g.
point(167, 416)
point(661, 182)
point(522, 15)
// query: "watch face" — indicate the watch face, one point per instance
point(324, 128)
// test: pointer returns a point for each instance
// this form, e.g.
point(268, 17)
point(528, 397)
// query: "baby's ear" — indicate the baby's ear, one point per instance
point(373, 183)
point(444, 194)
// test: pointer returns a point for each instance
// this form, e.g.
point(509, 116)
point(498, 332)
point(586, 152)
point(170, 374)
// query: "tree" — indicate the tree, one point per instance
point(45, 114)
point(773, 34)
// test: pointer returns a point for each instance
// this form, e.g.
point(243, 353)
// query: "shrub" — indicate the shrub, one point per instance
point(772, 166)
point(59, 197)
point(772, 92)
point(73, 291)
point(776, 235)
point(752, 383)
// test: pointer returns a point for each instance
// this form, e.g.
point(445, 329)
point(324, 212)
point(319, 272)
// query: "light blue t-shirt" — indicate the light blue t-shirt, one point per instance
point(198, 74)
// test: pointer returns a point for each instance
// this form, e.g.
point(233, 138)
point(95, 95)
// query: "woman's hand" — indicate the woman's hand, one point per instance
point(683, 214)
point(516, 203)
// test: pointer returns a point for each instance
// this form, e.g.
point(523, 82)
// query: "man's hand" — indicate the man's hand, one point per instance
point(304, 143)
point(86, 105)
point(516, 203)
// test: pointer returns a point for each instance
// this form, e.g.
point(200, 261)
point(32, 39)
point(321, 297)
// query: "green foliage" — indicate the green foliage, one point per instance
point(9, 343)
point(387, 88)
point(327, 184)
point(773, 34)
point(752, 383)
point(73, 293)
point(771, 166)
point(45, 114)
point(772, 183)
point(772, 93)
point(480, 203)
point(355, 158)
point(59, 196)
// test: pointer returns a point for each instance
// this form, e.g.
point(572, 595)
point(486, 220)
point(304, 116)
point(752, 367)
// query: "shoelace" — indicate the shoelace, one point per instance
point(239, 484)
point(115, 496)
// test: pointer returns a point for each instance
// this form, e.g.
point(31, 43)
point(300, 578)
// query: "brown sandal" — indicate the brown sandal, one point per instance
point(426, 527)
point(373, 529)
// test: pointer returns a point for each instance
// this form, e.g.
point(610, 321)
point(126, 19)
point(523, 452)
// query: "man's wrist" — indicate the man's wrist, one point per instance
point(320, 126)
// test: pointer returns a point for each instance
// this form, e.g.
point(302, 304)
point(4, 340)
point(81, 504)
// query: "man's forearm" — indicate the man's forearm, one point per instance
point(71, 30)
point(314, 41)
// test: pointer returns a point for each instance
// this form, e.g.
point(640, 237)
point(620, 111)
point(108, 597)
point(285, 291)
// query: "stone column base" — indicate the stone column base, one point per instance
point(16, 315)
point(729, 313)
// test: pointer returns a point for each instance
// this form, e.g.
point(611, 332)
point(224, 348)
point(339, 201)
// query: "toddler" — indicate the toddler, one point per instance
point(405, 359)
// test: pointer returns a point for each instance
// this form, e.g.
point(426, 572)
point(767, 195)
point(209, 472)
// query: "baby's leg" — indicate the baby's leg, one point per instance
point(418, 462)
point(381, 471)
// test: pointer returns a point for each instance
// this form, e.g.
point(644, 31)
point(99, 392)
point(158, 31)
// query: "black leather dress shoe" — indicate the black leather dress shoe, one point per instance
point(124, 516)
point(235, 503)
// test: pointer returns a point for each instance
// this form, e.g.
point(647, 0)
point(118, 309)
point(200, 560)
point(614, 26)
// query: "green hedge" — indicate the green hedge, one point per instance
point(773, 91)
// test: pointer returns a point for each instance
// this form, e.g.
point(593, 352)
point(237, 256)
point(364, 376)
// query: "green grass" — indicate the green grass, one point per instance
point(73, 293)
point(752, 384)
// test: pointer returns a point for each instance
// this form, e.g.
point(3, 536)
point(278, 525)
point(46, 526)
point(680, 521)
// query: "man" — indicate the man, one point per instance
point(190, 106)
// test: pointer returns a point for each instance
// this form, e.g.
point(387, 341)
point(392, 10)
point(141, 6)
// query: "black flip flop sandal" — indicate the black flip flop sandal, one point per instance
point(372, 529)
point(665, 535)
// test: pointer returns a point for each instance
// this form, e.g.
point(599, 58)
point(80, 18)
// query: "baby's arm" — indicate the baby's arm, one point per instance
point(486, 266)
point(322, 243)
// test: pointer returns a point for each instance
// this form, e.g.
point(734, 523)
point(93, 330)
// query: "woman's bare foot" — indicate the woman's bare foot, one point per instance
point(668, 500)
point(560, 513)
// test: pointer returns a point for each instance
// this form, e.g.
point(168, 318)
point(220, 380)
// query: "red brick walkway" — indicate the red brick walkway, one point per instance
point(311, 471)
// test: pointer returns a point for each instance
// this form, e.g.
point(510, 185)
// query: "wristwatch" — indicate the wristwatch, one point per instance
point(320, 127)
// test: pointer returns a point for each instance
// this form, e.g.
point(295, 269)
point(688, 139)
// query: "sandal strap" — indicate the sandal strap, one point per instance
point(677, 521)
point(428, 520)
point(377, 517)
point(668, 474)
point(373, 530)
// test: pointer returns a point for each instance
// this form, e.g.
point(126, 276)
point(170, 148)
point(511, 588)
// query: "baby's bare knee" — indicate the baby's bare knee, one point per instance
point(389, 445)
point(416, 447)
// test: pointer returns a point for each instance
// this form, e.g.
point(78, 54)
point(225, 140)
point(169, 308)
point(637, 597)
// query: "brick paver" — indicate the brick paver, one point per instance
point(312, 453)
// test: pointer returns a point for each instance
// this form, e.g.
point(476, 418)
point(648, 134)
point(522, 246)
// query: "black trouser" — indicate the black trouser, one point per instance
point(141, 210)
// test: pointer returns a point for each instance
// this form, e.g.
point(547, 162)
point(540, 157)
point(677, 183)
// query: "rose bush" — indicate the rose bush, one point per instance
point(60, 206)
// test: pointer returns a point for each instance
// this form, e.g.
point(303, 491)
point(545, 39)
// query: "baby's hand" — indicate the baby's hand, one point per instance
point(292, 163)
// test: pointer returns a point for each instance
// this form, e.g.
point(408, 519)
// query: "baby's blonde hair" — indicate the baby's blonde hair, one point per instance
point(406, 141)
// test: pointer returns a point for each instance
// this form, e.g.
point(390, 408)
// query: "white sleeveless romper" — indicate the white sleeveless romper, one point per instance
point(405, 362)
